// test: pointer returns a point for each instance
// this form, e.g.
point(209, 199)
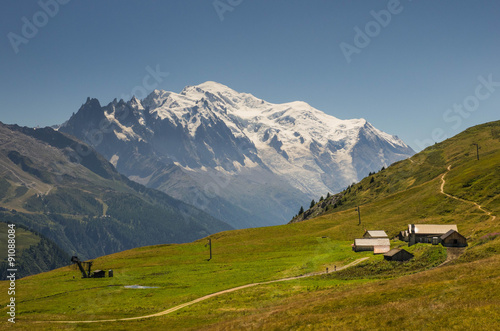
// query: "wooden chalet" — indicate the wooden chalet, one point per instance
point(428, 233)
point(453, 239)
point(398, 255)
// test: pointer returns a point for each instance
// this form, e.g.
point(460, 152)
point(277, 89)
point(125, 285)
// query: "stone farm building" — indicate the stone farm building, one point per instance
point(453, 239)
point(426, 233)
point(377, 245)
point(398, 255)
point(375, 234)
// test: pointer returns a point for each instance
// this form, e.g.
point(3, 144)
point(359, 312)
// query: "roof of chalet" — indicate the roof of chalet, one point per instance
point(447, 234)
point(432, 228)
point(376, 233)
point(394, 251)
point(372, 242)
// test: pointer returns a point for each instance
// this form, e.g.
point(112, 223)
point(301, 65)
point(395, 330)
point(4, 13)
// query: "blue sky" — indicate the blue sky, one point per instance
point(417, 65)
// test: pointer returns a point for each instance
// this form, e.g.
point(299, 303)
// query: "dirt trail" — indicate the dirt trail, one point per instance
point(452, 253)
point(443, 182)
point(171, 310)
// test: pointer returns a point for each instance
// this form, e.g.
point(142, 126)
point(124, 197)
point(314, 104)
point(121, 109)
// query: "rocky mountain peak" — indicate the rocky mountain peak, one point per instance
point(213, 134)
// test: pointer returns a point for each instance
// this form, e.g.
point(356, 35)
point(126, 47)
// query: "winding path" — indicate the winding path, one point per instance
point(452, 253)
point(460, 199)
point(171, 310)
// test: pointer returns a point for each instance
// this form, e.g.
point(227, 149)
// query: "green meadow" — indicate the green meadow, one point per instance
point(180, 272)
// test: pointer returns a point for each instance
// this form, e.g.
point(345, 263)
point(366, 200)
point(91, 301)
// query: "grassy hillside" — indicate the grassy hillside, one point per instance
point(409, 191)
point(34, 253)
point(182, 273)
point(25, 239)
point(462, 294)
point(458, 297)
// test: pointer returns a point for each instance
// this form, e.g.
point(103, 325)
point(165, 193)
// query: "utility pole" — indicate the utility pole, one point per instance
point(359, 216)
point(209, 245)
point(477, 150)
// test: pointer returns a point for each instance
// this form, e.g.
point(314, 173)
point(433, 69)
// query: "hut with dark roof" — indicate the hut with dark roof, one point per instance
point(453, 239)
point(398, 255)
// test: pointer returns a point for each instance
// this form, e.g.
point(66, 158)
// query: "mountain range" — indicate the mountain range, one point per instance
point(243, 160)
point(62, 189)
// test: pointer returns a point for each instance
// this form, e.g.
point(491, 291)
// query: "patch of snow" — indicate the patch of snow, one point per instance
point(126, 133)
point(121, 136)
point(185, 167)
point(114, 159)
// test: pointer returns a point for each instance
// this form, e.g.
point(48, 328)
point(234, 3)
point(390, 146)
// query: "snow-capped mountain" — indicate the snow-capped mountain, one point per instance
point(242, 159)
